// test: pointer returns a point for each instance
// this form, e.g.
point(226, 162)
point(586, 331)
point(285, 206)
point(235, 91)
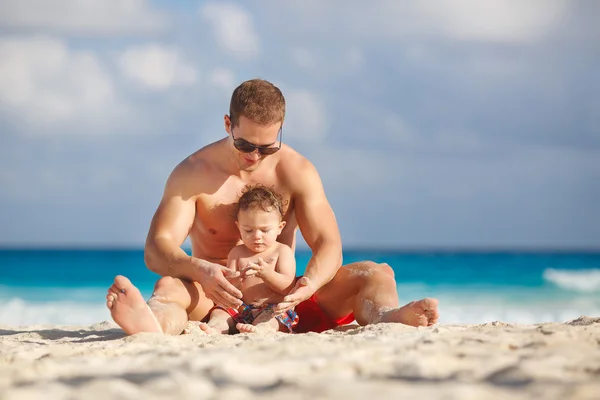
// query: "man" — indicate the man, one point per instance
point(197, 202)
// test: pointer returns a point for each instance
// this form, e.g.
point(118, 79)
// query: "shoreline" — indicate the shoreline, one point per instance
point(485, 361)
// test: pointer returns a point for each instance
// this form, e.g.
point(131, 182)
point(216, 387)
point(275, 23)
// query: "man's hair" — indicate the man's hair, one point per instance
point(259, 101)
point(259, 197)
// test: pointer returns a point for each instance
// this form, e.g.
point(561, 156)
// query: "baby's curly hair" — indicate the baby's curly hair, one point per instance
point(259, 197)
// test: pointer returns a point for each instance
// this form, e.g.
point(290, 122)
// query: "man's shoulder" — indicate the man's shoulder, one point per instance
point(191, 170)
point(291, 158)
point(294, 168)
point(200, 162)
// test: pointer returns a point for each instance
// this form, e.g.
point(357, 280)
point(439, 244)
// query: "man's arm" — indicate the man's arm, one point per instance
point(318, 226)
point(170, 227)
point(168, 230)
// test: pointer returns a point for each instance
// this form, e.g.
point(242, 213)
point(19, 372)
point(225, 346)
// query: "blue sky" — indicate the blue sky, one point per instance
point(433, 123)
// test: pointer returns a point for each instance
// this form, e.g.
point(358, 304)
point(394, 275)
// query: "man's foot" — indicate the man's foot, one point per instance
point(272, 325)
point(128, 308)
point(416, 313)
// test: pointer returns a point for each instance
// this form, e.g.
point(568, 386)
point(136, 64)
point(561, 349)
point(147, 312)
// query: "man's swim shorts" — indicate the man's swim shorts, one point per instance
point(314, 319)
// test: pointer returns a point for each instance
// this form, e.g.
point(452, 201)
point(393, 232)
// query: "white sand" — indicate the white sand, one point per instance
point(490, 361)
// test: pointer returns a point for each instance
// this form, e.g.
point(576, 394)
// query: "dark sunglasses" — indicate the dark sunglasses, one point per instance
point(246, 147)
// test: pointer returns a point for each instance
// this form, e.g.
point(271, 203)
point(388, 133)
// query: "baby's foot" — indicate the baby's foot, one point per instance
point(218, 324)
point(212, 330)
point(272, 325)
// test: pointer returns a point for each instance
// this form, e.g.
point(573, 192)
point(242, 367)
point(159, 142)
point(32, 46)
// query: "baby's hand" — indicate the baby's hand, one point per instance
point(257, 268)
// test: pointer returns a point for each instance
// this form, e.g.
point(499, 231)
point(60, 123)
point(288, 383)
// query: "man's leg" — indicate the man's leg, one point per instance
point(168, 310)
point(369, 291)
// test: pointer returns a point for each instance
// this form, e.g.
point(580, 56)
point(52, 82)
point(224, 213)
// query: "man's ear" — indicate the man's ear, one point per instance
point(227, 123)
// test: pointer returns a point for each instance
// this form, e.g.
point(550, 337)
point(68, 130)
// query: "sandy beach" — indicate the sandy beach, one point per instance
point(489, 361)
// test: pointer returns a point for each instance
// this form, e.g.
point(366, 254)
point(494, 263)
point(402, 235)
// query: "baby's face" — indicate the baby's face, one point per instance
point(259, 229)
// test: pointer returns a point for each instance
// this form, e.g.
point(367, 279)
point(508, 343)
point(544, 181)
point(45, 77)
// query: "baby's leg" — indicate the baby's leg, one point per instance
point(219, 323)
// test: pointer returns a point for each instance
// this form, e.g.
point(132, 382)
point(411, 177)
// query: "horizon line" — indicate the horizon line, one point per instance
point(350, 248)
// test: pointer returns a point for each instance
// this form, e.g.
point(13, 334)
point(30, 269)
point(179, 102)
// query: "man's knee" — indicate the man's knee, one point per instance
point(175, 290)
point(386, 269)
point(167, 284)
point(383, 268)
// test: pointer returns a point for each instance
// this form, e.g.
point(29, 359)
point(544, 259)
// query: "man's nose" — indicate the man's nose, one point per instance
point(255, 155)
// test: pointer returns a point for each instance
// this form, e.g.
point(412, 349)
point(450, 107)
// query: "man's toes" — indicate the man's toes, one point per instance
point(122, 283)
point(430, 303)
point(115, 292)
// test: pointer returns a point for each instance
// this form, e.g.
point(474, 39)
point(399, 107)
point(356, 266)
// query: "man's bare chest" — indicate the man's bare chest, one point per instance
point(215, 213)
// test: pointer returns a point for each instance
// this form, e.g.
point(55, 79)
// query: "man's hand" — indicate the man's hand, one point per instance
point(303, 290)
point(216, 287)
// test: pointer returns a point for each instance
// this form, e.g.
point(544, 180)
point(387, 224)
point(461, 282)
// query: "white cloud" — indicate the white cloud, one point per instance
point(223, 79)
point(82, 16)
point(43, 82)
point(156, 67)
point(305, 115)
point(492, 20)
point(233, 28)
point(509, 21)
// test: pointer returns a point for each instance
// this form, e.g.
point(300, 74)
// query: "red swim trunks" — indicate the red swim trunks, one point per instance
point(312, 318)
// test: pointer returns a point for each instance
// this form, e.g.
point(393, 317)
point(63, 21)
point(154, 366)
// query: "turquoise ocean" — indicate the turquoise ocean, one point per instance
point(63, 286)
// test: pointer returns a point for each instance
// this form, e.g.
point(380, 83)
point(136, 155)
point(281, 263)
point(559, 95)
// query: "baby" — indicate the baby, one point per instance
point(267, 268)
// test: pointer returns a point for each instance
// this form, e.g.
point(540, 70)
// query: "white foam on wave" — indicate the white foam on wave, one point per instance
point(461, 304)
point(480, 313)
point(464, 304)
point(17, 311)
point(584, 280)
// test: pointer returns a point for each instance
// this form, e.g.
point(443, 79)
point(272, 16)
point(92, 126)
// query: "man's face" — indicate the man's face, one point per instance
point(250, 133)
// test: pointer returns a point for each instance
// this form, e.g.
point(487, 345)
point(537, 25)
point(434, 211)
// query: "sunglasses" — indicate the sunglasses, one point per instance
point(246, 147)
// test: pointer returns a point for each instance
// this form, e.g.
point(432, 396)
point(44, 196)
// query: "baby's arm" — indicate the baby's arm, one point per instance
point(281, 278)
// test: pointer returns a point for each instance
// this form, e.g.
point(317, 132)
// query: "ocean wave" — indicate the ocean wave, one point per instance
point(453, 310)
point(17, 311)
point(583, 280)
point(469, 314)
